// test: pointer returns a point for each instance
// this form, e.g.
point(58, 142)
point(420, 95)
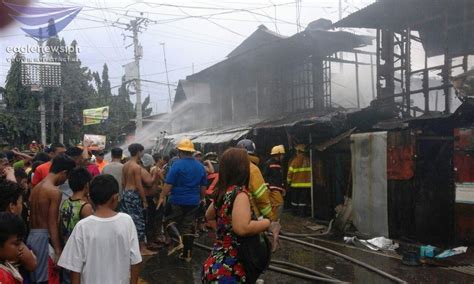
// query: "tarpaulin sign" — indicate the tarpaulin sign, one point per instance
point(95, 140)
point(95, 115)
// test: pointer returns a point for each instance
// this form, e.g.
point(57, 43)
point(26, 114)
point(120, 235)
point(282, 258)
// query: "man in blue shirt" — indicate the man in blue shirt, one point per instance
point(186, 185)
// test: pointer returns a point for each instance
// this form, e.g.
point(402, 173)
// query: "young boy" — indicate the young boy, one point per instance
point(76, 207)
point(12, 230)
point(45, 199)
point(103, 248)
point(11, 202)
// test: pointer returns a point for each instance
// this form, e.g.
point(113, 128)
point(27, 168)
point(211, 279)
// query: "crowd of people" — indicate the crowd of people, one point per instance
point(70, 216)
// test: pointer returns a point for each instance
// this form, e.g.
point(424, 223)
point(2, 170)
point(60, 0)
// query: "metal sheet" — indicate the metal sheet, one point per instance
point(465, 193)
point(369, 190)
point(217, 137)
point(211, 136)
point(190, 135)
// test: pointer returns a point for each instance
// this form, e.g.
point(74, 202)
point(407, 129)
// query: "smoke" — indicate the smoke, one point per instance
point(148, 134)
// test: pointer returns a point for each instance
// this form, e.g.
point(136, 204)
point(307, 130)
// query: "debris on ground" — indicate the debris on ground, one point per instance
point(451, 252)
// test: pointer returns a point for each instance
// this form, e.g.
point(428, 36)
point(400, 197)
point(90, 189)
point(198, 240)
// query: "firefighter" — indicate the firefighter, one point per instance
point(260, 195)
point(273, 175)
point(299, 180)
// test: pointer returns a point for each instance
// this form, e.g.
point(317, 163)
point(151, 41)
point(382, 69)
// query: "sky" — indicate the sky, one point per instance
point(196, 35)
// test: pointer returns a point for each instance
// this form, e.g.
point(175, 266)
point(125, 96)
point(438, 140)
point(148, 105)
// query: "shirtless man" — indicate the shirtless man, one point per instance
point(134, 199)
point(152, 189)
point(44, 199)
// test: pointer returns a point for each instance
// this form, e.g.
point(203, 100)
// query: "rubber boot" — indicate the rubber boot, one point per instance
point(176, 242)
point(188, 241)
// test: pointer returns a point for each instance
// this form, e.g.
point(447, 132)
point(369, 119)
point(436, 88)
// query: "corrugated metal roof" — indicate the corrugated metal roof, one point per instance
point(214, 136)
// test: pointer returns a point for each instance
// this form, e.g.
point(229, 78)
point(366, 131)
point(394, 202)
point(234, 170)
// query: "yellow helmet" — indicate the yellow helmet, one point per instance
point(280, 149)
point(301, 148)
point(185, 145)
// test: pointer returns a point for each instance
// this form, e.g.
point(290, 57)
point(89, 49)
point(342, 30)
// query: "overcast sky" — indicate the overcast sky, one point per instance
point(194, 32)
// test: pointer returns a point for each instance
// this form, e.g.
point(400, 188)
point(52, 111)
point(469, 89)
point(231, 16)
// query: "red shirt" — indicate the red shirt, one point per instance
point(101, 165)
point(7, 277)
point(93, 170)
point(40, 173)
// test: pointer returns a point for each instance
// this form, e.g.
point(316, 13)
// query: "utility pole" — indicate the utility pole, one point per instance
point(136, 26)
point(137, 52)
point(42, 106)
point(40, 75)
point(61, 117)
point(166, 70)
point(341, 54)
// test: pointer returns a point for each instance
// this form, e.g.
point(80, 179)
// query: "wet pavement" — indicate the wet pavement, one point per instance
point(164, 269)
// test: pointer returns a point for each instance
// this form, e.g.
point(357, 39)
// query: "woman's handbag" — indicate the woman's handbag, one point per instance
point(254, 251)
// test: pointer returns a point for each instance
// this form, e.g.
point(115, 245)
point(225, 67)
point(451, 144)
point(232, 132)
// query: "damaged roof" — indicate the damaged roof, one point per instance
point(333, 119)
point(255, 51)
point(212, 136)
point(258, 38)
point(429, 17)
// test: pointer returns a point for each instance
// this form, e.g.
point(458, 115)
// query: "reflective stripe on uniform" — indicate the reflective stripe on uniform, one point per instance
point(275, 166)
point(260, 191)
point(291, 169)
point(300, 170)
point(265, 211)
point(272, 187)
point(301, 184)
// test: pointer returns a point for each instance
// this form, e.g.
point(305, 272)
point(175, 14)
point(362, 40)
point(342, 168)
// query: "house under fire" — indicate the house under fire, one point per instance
point(267, 76)
point(406, 167)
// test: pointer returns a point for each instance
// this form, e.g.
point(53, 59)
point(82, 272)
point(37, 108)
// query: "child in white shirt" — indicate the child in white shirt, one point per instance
point(103, 248)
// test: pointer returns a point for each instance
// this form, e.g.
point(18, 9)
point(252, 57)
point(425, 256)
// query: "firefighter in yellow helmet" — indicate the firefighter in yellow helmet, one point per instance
point(299, 180)
point(273, 175)
point(260, 195)
point(275, 179)
point(186, 184)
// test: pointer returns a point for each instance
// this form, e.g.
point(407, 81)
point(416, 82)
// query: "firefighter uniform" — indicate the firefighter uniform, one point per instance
point(299, 179)
point(260, 195)
point(273, 175)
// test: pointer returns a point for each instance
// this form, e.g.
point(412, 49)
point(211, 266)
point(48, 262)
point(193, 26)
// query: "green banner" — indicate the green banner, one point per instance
point(95, 115)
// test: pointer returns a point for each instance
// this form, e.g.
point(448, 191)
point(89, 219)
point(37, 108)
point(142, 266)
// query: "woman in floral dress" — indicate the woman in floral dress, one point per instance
point(231, 210)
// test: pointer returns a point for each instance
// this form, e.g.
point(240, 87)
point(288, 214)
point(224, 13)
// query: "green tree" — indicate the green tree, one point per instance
point(146, 109)
point(21, 116)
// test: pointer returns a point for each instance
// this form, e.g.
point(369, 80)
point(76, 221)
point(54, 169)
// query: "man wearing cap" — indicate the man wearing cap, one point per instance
point(186, 184)
point(299, 179)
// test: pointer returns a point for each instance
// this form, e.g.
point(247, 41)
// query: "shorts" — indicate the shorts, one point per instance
point(38, 241)
point(183, 215)
point(132, 205)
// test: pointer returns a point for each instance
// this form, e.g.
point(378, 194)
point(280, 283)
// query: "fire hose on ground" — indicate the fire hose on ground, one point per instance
point(297, 235)
point(356, 261)
point(311, 275)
